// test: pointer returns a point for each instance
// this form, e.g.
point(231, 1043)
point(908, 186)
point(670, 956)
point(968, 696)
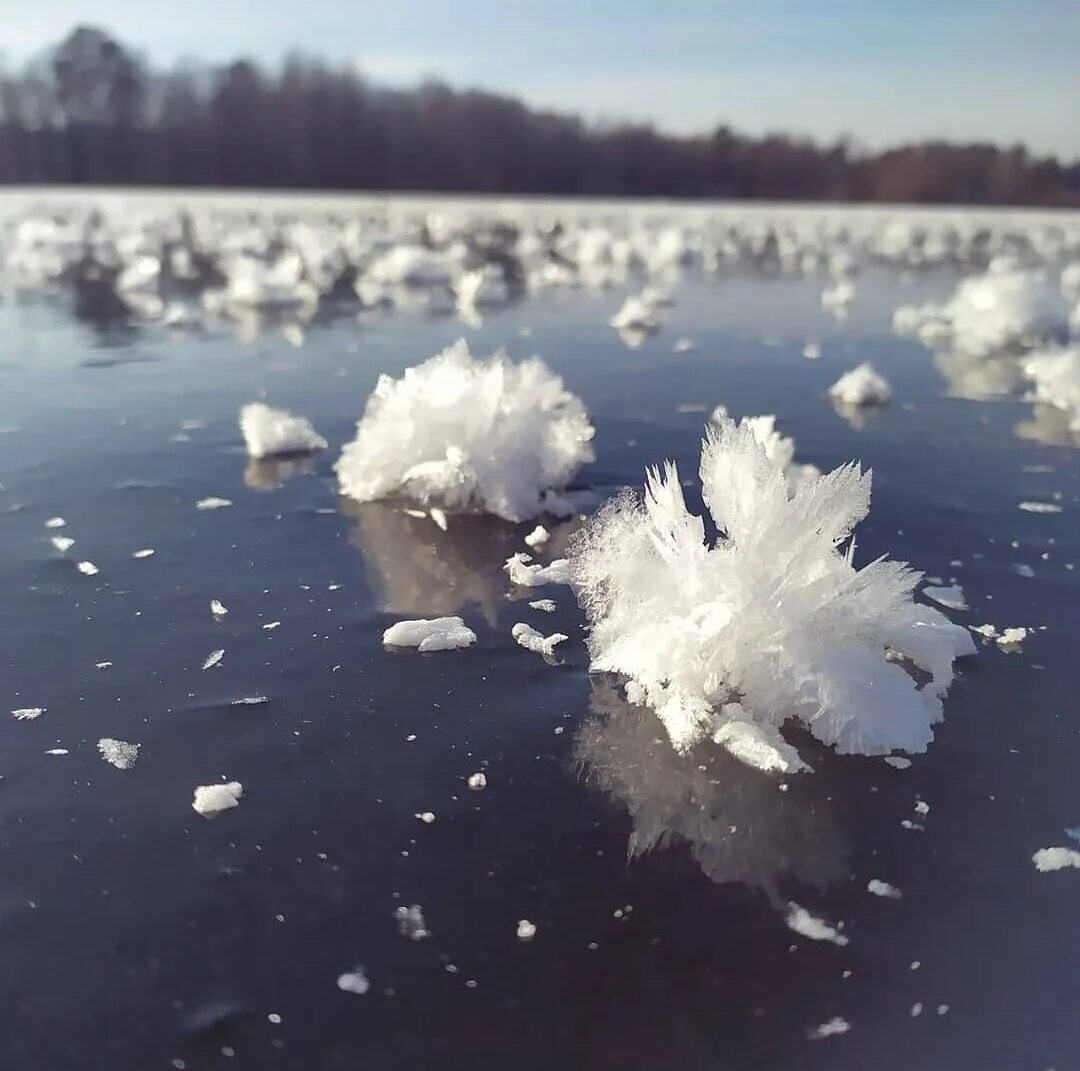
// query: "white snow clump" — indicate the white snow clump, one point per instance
point(432, 634)
point(118, 753)
point(211, 800)
point(1056, 378)
point(861, 386)
point(772, 621)
point(526, 636)
point(469, 433)
point(272, 432)
point(533, 576)
point(1047, 860)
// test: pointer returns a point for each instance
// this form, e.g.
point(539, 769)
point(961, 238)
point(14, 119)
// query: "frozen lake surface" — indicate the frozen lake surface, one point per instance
point(137, 934)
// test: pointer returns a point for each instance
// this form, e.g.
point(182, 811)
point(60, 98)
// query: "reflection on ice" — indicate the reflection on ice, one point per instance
point(268, 474)
point(737, 823)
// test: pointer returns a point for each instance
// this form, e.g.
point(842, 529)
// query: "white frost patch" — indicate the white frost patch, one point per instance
point(62, 543)
point(533, 576)
point(469, 433)
point(118, 753)
point(354, 981)
point(547, 606)
point(213, 502)
point(526, 930)
point(411, 923)
point(1040, 507)
point(218, 608)
point(526, 636)
point(87, 568)
point(213, 799)
point(1047, 860)
point(477, 781)
point(774, 615)
point(884, 889)
point(27, 713)
point(801, 921)
point(272, 432)
point(214, 658)
point(829, 1029)
point(861, 386)
point(432, 634)
point(537, 537)
point(951, 597)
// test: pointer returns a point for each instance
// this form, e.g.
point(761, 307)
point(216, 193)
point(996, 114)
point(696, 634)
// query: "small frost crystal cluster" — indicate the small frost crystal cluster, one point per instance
point(469, 433)
point(273, 432)
point(772, 622)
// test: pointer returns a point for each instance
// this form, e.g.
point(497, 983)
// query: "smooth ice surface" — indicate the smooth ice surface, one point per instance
point(272, 432)
point(213, 799)
point(432, 634)
point(772, 621)
point(861, 386)
point(469, 433)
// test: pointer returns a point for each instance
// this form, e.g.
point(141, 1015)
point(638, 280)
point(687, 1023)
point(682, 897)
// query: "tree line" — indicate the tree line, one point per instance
point(91, 112)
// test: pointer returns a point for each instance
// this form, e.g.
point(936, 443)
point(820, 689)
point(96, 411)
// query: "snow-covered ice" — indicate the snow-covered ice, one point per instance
point(469, 433)
point(802, 922)
point(534, 576)
point(118, 753)
point(537, 537)
point(771, 622)
point(272, 432)
point(1047, 860)
point(861, 386)
point(430, 634)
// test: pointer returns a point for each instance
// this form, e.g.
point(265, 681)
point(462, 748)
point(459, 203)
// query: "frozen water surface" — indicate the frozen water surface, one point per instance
point(138, 934)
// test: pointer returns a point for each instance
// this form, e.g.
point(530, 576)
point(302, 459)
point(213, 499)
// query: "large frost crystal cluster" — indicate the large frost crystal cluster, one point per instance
point(771, 622)
point(470, 433)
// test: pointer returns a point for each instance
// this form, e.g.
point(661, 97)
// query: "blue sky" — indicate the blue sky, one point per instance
point(881, 70)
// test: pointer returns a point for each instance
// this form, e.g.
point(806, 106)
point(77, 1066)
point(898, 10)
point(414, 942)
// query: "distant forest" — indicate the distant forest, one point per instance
point(92, 112)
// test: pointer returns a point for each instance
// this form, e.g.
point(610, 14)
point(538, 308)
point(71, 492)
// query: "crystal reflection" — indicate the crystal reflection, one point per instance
point(737, 823)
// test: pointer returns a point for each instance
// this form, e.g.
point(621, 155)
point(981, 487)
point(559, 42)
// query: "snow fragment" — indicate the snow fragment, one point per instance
point(411, 923)
point(1047, 860)
point(526, 930)
point(146, 552)
point(537, 537)
point(354, 981)
point(527, 637)
point(533, 576)
point(951, 597)
point(427, 817)
point(477, 781)
point(1040, 507)
point(87, 568)
point(898, 762)
point(27, 713)
point(58, 751)
point(884, 889)
point(829, 1029)
point(218, 608)
point(760, 746)
point(547, 606)
point(62, 543)
point(211, 800)
point(438, 516)
point(431, 634)
point(250, 701)
point(55, 522)
point(861, 386)
point(214, 658)
point(213, 502)
point(801, 921)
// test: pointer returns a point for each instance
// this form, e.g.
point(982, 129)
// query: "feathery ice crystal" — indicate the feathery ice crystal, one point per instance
point(772, 622)
point(273, 432)
point(469, 433)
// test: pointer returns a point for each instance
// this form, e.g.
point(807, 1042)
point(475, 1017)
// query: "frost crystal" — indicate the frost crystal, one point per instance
point(118, 753)
point(434, 634)
point(533, 576)
point(861, 386)
point(469, 433)
point(773, 621)
point(272, 432)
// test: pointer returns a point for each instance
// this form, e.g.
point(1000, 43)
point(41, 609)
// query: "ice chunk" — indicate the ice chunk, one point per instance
point(411, 923)
point(211, 800)
point(1049, 859)
point(801, 921)
point(640, 312)
point(432, 634)
point(883, 888)
point(55, 522)
point(118, 753)
point(218, 608)
point(477, 781)
point(527, 637)
point(146, 552)
point(684, 345)
point(214, 658)
point(831, 1028)
point(1055, 375)
point(839, 296)
point(62, 543)
point(427, 817)
point(27, 713)
point(811, 351)
point(1040, 507)
point(861, 386)
point(272, 432)
point(469, 433)
point(898, 762)
point(526, 930)
point(213, 502)
point(354, 981)
point(87, 568)
point(537, 537)
point(546, 606)
point(773, 616)
point(760, 746)
point(951, 597)
point(533, 576)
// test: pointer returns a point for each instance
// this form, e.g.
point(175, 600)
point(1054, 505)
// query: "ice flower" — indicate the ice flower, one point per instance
point(772, 621)
point(273, 432)
point(463, 432)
